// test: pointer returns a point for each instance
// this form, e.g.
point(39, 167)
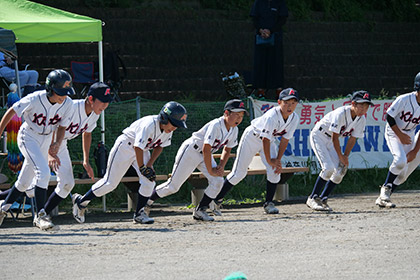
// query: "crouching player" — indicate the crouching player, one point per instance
point(197, 152)
point(346, 121)
point(132, 149)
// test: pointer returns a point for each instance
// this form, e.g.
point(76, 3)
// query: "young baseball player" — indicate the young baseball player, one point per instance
point(132, 149)
point(259, 138)
point(346, 121)
point(402, 119)
point(43, 112)
point(197, 152)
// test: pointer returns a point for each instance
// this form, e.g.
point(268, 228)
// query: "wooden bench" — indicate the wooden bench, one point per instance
point(256, 167)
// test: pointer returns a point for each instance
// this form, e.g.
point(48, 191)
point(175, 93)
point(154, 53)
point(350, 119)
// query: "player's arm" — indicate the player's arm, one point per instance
point(404, 138)
point(411, 155)
point(336, 143)
point(86, 143)
point(207, 161)
point(59, 136)
point(155, 154)
point(282, 148)
point(224, 158)
point(6, 119)
point(53, 161)
point(350, 144)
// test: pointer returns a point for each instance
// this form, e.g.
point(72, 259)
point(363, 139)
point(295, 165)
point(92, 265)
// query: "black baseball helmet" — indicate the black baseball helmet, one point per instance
point(174, 113)
point(60, 82)
point(417, 82)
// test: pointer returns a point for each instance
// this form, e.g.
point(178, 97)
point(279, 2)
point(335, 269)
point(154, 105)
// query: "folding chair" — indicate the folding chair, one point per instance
point(83, 73)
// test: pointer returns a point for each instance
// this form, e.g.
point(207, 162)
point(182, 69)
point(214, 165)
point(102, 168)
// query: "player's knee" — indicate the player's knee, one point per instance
point(64, 189)
point(146, 188)
point(326, 173)
point(337, 178)
point(400, 163)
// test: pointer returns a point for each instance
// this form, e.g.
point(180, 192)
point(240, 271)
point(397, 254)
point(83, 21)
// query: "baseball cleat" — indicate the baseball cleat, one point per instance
point(43, 221)
point(325, 205)
point(78, 211)
point(384, 203)
point(385, 192)
point(269, 208)
point(147, 209)
point(2, 216)
point(142, 218)
point(314, 203)
point(215, 208)
point(201, 214)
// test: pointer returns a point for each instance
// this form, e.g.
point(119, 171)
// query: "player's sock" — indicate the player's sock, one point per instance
point(154, 196)
point(13, 195)
point(328, 189)
point(271, 190)
point(141, 202)
point(205, 202)
point(319, 185)
point(84, 201)
point(227, 186)
point(390, 178)
point(40, 197)
point(4, 194)
point(52, 202)
point(394, 187)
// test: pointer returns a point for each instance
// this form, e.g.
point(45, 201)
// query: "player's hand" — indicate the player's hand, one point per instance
point(344, 160)
point(275, 163)
point(53, 162)
point(217, 171)
point(411, 155)
point(405, 139)
point(88, 169)
point(53, 150)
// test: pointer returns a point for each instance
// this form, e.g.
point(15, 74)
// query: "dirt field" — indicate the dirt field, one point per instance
point(356, 241)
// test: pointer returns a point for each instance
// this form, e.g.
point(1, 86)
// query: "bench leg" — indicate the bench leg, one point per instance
point(196, 196)
point(132, 201)
point(282, 192)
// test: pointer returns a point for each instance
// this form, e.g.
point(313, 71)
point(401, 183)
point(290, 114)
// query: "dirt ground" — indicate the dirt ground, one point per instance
point(355, 241)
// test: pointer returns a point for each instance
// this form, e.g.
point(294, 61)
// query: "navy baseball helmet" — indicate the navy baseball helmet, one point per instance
point(60, 82)
point(174, 113)
point(417, 82)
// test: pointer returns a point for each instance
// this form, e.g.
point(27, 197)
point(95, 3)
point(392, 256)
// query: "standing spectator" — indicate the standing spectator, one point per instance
point(268, 16)
point(26, 77)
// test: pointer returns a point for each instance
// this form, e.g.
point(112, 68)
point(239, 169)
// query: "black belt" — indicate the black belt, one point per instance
point(320, 129)
point(197, 148)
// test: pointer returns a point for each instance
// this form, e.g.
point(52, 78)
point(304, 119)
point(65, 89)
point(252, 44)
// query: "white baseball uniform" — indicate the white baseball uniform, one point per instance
point(41, 118)
point(145, 134)
point(338, 121)
point(190, 157)
point(270, 125)
point(79, 123)
point(406, 112)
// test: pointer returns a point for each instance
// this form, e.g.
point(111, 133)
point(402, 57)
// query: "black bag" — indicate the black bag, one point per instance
point(101, 158)
point(112, 63)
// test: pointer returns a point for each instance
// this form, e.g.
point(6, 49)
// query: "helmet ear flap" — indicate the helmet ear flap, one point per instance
point(163, 118)
point(417, 82)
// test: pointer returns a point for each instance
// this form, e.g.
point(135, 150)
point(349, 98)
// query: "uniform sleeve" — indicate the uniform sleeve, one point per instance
point(24, 104)
point(212, 134)
point(167, 142)
point(395, 107)
point(359, 130)
point(233, 141)
point(337, 121)
point(293, 125)
point(268, 126)
point(143, 133)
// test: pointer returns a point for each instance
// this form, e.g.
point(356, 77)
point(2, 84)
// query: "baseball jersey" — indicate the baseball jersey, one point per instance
point(340, 121)
point(406, 111)
point(216, 135)
point(79, 121)
point(40, 115)
point(146, 133)
point(272, 125)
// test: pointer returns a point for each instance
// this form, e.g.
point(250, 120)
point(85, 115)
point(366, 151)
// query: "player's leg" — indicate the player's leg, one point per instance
point(186, 160)
point(272, 180)
point(65, 180)
point(212, 190)
point(120, 158)
point(248, 147)
point(335, 179)
point(324, 151)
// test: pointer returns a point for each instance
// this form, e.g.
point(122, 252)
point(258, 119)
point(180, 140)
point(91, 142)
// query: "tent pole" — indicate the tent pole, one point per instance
point(17, 79)
point(101, 79)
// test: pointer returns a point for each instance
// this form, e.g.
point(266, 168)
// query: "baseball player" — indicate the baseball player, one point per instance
point(345, 121)
point(197, 152)
point(402, 119)
point(259, 138)
point(43, 112)
point(132, 149)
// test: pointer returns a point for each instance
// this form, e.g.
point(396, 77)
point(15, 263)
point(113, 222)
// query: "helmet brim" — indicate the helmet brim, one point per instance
point(180, 124)
point(64, 91)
